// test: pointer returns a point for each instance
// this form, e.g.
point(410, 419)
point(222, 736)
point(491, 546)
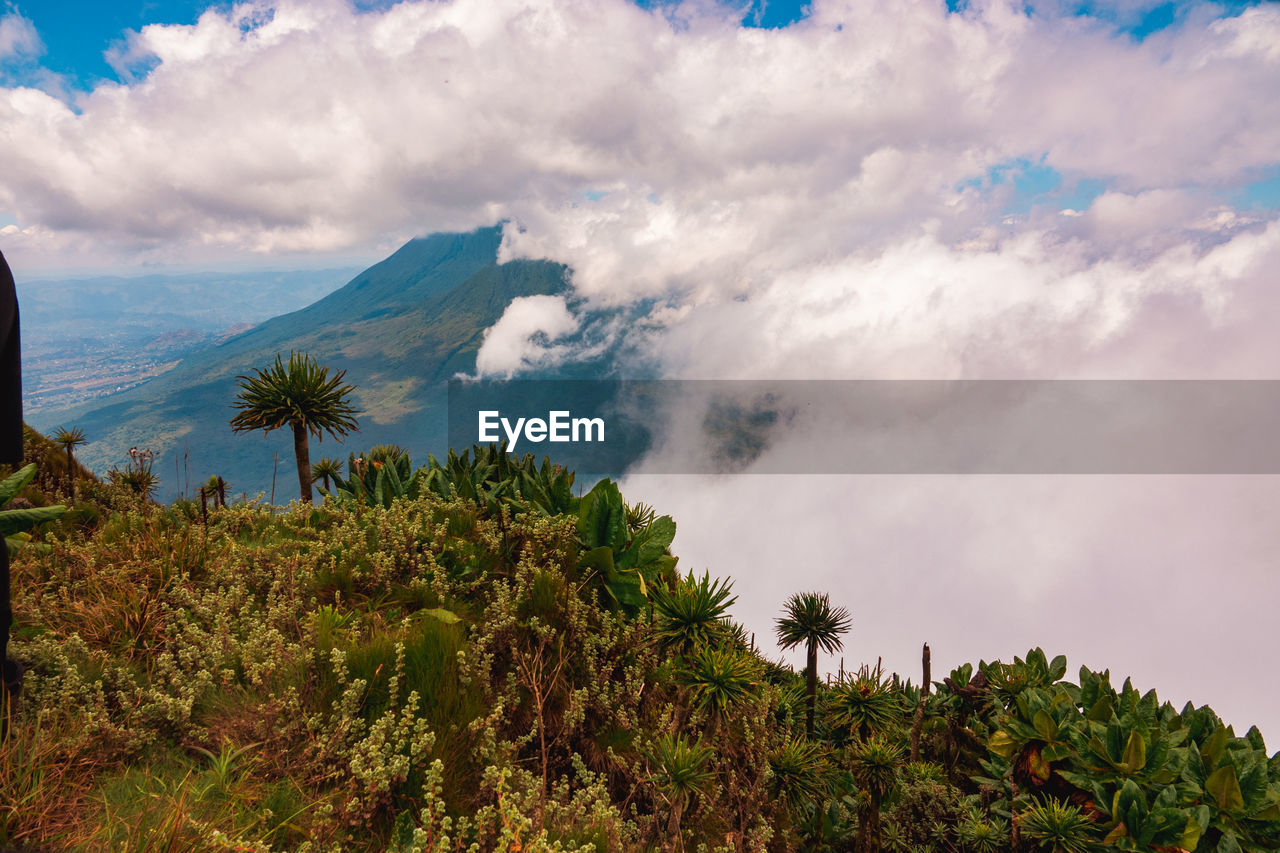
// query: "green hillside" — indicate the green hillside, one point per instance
point(400, 329)
point(469, 656)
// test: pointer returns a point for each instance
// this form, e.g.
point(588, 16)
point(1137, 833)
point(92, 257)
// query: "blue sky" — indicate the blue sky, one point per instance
point(77, 33)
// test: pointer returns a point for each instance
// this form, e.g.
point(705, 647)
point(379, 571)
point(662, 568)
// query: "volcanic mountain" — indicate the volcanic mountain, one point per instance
point(400, 329)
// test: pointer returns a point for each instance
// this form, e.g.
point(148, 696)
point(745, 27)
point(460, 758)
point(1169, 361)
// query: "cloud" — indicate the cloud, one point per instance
point(1107, 570)
point(308, 126)
point(524, 336)
point(18, 37)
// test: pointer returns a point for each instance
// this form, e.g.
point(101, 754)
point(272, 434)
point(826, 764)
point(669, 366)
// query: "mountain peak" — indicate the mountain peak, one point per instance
point(399, 329)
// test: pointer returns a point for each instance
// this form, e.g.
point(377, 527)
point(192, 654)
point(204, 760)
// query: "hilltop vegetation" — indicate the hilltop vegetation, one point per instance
point(471, 655)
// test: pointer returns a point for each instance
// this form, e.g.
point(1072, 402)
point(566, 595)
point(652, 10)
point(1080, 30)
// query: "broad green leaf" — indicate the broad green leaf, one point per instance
point(598, 558)
point(1115, 744)
point(1212, 748)
point(1135, 753)
point(1224, 787)
point(602, 517)
point(658, 538)
point(1001, 744)
point(1058, 668)
point(1131, 800)
point(1083, 781)
point(1271, 812)
point(626, 589)
point(1102, 709)
point(393, 480)
point(17, 520)
point(15, 482)
point(1119, 832)
point(1045, 726)
point(22, 541)
point(1228, 843)
point(1191, 834)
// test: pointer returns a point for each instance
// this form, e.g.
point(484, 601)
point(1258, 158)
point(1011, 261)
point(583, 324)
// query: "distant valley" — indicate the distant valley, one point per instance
point(90, 337)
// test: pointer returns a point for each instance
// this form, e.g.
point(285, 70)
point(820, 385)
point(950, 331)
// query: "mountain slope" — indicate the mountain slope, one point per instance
point(400, 329)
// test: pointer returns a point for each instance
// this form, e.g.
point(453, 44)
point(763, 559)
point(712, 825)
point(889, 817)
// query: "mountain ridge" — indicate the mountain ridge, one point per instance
point(399, 329)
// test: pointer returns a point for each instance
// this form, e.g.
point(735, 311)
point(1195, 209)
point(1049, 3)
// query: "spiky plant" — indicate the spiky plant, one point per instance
point(810, 619)
point(680, 773)
point(137, 476)
point(983, 836)
point(718, 679)
point(386, 453)
point(875, 768)
point(70, 439)
point(735, 635)
point(301, 395)
point(893, 838)
point(1058, 827)
point(801, 774)
point(691, 615)
point(640, 516)
point(325, 470)
point(866, 705)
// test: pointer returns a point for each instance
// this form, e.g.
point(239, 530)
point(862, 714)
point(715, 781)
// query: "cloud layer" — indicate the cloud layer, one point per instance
point(309, 126)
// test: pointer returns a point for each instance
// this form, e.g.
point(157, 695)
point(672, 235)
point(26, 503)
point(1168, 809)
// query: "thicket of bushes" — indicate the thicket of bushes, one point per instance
point(471, 657)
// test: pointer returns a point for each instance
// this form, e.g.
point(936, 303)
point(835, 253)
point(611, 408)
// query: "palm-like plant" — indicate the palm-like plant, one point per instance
point(875, 767)
point(680, 773)
point(325, 470)
point(301, 395)
point(718, 679)
point(866, 704)
point(810, 619)
point(801, 774)
point(691, 615)
point(70, 439)
point(640, 516)
point(1058, 827)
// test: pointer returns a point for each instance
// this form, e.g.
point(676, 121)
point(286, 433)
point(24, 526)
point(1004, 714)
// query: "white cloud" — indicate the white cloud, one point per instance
point(18, 37)
point(307, 126)
point(524, 336)
point(1114, 572)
